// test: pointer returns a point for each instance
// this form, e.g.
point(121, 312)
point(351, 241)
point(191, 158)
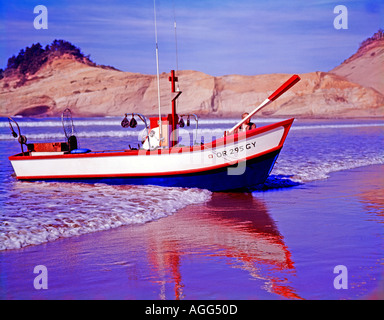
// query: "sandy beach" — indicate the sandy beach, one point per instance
point(273, 244)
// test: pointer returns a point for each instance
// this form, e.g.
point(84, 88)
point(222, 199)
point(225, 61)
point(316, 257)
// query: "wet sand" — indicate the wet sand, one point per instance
point(274, 244)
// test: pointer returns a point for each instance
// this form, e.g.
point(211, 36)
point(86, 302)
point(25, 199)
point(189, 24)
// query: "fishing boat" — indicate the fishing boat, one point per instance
point(237, 160)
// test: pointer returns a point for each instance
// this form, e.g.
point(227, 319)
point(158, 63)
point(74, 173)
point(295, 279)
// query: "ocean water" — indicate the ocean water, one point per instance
point(33, 213)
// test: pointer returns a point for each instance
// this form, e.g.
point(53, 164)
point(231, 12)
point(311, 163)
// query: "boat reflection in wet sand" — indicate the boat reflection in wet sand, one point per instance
point(237, 160)
point(234, 226)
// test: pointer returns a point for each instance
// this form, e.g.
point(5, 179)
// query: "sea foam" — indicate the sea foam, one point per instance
point(71, 209)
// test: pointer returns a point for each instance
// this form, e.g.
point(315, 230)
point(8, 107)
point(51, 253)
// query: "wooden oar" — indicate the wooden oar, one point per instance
point(284, 87)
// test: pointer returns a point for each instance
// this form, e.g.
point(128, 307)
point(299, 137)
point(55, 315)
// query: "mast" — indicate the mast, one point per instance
point(173, 139)
point(175, 119)
point(157, 73)
point(174, 80)
point(177, 54)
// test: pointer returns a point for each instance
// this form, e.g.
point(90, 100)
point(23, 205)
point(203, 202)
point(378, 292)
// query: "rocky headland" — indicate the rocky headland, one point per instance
point(60, 77)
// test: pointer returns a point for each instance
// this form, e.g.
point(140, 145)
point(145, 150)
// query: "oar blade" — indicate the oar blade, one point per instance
point(284, 87)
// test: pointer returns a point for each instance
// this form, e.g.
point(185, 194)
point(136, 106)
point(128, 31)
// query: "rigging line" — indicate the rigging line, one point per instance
point(157, 72)
point(176, 47)
point(174, 24)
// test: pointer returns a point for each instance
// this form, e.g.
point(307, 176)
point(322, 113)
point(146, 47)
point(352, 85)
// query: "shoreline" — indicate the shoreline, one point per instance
point(260, 245)
point(281, 184)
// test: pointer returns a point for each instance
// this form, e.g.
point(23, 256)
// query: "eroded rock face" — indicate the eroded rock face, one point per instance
point(366, 66)
point(347, 91)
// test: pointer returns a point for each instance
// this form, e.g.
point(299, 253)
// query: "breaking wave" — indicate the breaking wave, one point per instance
point(120, 133)
point(336, 126)
point(71, 209)
point(321, 169)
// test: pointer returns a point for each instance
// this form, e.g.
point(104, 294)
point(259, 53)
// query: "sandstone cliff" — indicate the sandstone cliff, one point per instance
point(366, 66)
point(91, 90)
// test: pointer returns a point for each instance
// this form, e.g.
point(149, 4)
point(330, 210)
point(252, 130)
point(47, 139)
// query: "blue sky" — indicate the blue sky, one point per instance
point(216, 37)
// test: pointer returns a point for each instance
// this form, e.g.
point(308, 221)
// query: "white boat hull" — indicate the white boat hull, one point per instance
point(231, 156)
